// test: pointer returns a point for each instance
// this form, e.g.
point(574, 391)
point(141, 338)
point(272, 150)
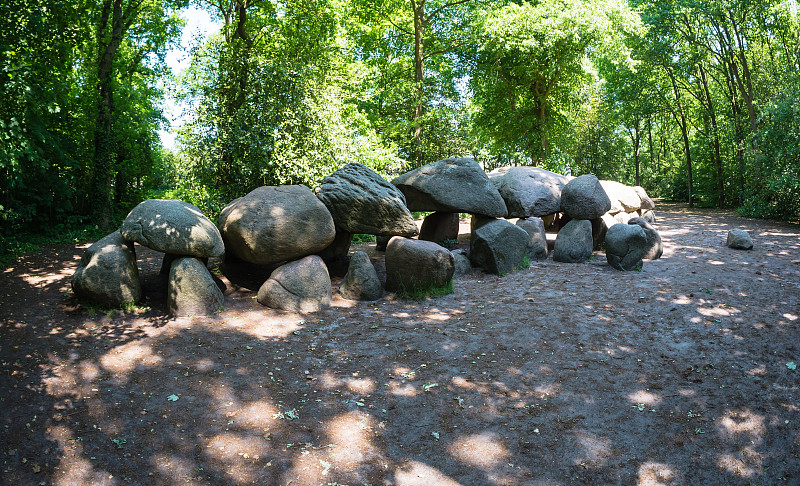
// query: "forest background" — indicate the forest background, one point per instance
point(695, 100)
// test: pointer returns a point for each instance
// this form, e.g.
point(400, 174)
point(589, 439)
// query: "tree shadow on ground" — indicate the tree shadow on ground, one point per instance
point(557, 374)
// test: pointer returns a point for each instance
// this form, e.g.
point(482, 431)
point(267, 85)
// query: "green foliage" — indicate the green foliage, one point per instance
point(70, 232)
point(358, 238)
point(662, 93)
point(274, 106)
point(415, 292)
point(534, 61)
point(775, 192)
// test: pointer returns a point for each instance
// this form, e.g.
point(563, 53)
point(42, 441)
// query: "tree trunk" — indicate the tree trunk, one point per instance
point(681, 119)
point(650, 141)
point(636, 140)
point(105, 153)
point(420, 24)
point(715, 138)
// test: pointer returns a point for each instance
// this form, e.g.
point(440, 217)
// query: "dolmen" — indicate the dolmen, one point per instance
point(295, 236)
point(108, 275)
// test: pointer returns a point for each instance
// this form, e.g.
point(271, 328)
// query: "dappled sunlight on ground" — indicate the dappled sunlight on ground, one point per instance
point(559, 374)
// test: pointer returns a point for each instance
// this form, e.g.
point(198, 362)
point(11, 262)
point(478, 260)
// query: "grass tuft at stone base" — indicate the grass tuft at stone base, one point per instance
point(421, 293)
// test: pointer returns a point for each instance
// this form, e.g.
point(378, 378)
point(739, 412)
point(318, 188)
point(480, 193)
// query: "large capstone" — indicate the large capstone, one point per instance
point(646, 202)
point(416, 264)
point(191, 289)
point(626, 245)
point(498, 247)
point(574, 242)
point(529, 191)
point(107, 274)
point(361, 281)
point(173, 226)
point(623, 198)
point(584, 198)
point(361, 201)
point(273, 224)
point(299, 286)
point(451, 186)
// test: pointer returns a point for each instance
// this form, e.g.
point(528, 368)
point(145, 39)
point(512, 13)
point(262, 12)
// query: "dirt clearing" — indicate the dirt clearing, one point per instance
point(681, 374)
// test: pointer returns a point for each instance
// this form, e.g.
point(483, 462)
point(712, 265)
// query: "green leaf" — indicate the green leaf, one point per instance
point(791, 366)
point(173, 398)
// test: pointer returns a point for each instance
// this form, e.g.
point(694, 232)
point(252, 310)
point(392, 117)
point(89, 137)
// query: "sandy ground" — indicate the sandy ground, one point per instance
point(681, 374)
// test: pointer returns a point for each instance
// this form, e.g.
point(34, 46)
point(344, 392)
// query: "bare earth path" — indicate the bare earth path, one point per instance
point(681, 374)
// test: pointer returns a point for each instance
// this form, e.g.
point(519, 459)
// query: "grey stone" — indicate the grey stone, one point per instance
point(623, 217)
point(649, 216)
point(417, 264)
point(361, 281)
point(438, 227)
point(623, 198)
point(339, 247)
point(173, 226)
point(273, 224)
point(452, 186)
point(462, 264)
point(739, 239)
point(498, 247)
point(381, 242)
point(584, 198)
point(537, 237)
point(655, 248)
point(191, 290)
point(107, 274)
point(626, 245)
point(600, 227)
point(528, 191)
point(361, 201)
point(646, 202)
point(476, 221)
point(300, 286)
point(574, 242)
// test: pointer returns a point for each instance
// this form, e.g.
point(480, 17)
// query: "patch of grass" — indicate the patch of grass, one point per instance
point(362, 238)
point(424, 292)
point(133, 306)
point(420, 214)
point(525, 263)
point(449, 244)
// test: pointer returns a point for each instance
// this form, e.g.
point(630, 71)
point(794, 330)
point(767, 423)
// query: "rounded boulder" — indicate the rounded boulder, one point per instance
point(451, 186)
point(361, 281)
point(173, 226)
point(361, 201)
point(416, 264)
point(107, 274)
point(300, 286)
point(626, 245)
point(574, 242)
point(191, 290)
point(528, 191)
point(584, 198)
point(273, 224)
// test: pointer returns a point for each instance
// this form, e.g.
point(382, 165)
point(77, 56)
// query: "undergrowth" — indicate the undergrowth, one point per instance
point(415, 292)
point(11, 246)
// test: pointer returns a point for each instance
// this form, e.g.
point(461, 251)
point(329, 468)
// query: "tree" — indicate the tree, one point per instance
point(413, 48)
point(144, 28)
point(534, 58)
